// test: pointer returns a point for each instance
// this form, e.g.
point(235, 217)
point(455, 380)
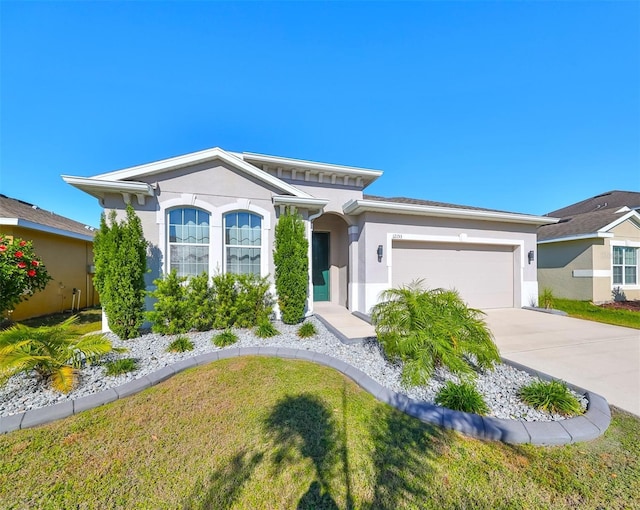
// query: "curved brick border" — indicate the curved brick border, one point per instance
point(581, 428)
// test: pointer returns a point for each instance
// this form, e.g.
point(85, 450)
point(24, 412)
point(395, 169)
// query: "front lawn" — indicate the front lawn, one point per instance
point(269, 433)
point(89, 320)
point(589, 311)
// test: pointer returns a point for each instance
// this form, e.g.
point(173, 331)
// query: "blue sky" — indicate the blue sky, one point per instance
point(519, 106)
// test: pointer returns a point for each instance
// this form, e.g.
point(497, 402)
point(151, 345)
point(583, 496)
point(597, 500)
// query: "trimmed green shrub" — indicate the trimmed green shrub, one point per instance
point(180, 344)
point(225, 338)
point(307, 330)
point(224, 300)
point(22, 273)
point(199, 303)
point(429, 328)
point(291, 261)
point(551, 396)
point(120, 258)
point(171, 311)
point(265, 329)
point(53, 352)
point(253, 300)
point(461, 396)
point(120, 366)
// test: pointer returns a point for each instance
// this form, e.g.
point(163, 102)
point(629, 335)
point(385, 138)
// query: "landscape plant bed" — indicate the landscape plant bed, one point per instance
point(264, 433)
point(499, 387)
point(633, 306)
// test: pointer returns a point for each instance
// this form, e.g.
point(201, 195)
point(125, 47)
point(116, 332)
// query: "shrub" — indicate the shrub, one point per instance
point(546, 298)
point(21, 273)
point(224, 300)
point(120, 366)
point(253, 301)
point(266, 329)
point(291, 261)
point(170, 314)
point(199, 303)
point(181, 344)
point(429, 328)
point(120, 258)
point(225, 338)
point(551, 396)
point(307, 330)
point(53, 352)
point(461, 396)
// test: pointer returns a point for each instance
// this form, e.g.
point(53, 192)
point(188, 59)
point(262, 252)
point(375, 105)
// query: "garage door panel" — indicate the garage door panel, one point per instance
point(482, 274)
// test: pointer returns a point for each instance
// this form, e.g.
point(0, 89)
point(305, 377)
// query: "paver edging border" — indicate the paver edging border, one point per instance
point(572, 430)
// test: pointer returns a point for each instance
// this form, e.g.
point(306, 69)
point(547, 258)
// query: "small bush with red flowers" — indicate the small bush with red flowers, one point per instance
point(22, 273)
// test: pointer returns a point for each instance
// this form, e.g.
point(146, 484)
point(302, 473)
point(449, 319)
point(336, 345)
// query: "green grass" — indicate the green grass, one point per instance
point(120, 366)
point(551, 396)
point(461, 396)
point(266, 433)
point(180, 344)
point(224, 339)
point(89, 320)
point(307, 330)
point(589, 311)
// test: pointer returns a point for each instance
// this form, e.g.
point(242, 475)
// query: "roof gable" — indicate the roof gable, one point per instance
point(609, 200)
point(585, 226)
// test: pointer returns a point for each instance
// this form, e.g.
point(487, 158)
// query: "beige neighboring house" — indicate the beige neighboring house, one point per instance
point(216, 210)
point(593, 252)
point(65, 247)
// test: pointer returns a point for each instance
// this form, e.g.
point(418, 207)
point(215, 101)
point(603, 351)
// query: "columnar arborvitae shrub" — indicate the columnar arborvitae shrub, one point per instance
point(291, 260)
point(120, 258)
point(170, 315)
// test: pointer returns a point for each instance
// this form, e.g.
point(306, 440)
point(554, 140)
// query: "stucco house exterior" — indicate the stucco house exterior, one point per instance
point(65, 247)
point(593, 252)
point(216, 210)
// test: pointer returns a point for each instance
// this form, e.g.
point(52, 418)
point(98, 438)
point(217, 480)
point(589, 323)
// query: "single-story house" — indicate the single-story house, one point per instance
point(216, 210)
point(592, 253)
point(65, 247)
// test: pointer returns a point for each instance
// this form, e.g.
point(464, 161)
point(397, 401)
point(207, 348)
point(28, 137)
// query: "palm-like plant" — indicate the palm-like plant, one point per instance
point(430, 328)
point(54, 352)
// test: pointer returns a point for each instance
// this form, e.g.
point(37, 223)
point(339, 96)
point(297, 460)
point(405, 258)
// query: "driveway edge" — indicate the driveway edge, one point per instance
point(586, 427)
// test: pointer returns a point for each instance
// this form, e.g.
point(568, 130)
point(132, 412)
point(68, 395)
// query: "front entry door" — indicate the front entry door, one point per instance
point(320, 265)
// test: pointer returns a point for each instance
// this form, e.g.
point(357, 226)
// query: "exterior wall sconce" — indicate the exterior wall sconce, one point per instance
point(379, 253)
point(531, 256)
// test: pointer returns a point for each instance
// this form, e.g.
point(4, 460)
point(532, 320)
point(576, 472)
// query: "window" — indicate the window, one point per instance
point(189, 241)
point(242, 242)
point(625, 265)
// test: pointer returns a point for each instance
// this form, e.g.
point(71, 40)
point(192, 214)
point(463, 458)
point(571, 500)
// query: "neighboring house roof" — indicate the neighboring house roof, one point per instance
point(592, 218)
point(402, 205)
point(608, 200)
point(23, 214)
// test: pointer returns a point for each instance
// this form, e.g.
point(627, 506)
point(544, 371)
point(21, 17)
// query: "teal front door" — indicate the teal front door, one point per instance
point(320, 265)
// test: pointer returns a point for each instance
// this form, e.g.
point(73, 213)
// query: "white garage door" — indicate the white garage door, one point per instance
point(482, 274)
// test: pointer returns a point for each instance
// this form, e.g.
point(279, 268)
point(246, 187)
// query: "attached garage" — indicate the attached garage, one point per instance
point(483, 274)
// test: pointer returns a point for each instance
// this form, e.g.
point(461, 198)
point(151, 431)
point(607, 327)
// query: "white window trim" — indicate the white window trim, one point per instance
point(625, 244)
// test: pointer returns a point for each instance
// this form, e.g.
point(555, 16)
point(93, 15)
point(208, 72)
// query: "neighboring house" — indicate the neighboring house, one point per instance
point(592, 253)
point(216, 210)
point(64, 246)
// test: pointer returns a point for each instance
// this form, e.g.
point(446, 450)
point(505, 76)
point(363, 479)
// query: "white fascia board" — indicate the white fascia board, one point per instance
point(97, 187)
point(356, 207)
point(30, 225)
point(313, 203)
point(578, 237)
point(365, 173)
point(200, 157)
point(621, 219)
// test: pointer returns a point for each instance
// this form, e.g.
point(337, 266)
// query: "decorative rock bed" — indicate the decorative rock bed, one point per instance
point(25, 402)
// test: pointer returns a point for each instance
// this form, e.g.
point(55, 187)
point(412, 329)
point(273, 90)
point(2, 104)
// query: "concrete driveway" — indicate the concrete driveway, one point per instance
point(597, 357)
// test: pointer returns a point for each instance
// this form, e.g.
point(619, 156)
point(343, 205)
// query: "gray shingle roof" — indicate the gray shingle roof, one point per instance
point(414, 201)
point(13, 208)
point(590, 215)
point(608, 200)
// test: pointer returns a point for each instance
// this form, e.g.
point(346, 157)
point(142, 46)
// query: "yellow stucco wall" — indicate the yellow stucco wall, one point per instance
point(67, 262)
point(556, 263)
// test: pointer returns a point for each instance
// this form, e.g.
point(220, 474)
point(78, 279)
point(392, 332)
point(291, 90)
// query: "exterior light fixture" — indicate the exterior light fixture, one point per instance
point(531, 256)
point(379, 253)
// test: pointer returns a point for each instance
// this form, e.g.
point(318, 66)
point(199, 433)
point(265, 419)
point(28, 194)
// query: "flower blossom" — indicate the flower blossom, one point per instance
point(35, 263)
point(31, 272)
point(19, 254)
point(21, 265)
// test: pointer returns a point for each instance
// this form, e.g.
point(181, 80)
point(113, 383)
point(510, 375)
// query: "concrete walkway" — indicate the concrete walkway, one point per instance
point(342, 322)
point(599, 357)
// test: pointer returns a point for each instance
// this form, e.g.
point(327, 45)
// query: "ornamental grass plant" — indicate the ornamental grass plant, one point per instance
point(462, 396)
point(224, 339)
point(551, 396)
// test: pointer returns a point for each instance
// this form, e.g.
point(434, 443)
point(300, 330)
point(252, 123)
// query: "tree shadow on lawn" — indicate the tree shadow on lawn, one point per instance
point(225, 484)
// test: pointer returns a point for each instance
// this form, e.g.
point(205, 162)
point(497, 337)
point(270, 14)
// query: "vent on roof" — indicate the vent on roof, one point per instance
point(35, 207)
